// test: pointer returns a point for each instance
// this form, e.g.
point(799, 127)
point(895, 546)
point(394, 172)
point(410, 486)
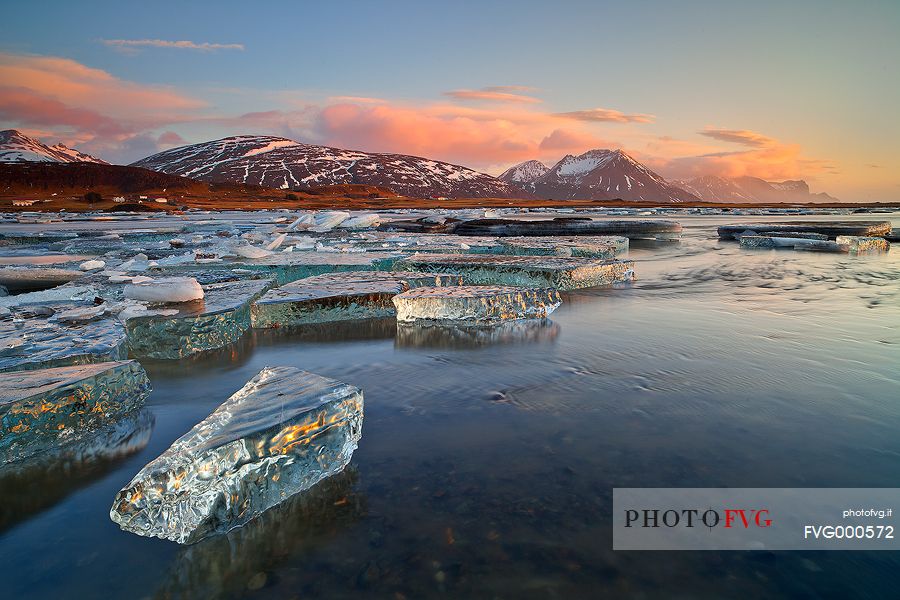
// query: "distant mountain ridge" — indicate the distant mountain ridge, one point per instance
point(15, 146)
point(286, 164)
point(712, 188)
point(596, 175)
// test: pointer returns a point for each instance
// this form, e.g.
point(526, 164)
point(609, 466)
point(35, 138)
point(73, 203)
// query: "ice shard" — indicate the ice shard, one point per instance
point(280, 434)
point(863, 244)
point(474, 304)
point(45, 408)
point(343, 296)
point(218, 320)
point(563, 273)
point(589, 246)
point(41, 341)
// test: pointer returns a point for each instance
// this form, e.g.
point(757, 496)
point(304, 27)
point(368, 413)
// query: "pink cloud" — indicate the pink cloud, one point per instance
point(86, 106)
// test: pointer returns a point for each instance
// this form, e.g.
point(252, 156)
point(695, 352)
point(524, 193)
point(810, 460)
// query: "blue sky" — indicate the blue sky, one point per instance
point(814, 82)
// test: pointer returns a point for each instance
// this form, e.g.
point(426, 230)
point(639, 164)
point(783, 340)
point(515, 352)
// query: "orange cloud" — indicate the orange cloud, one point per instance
point(744, 137)
point(607, 115)
point(766, 158)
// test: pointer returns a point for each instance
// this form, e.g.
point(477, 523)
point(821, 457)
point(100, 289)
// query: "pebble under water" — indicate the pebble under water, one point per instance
point(487, 460)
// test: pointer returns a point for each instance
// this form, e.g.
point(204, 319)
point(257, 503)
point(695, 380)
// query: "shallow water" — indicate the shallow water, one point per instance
point(487, 463)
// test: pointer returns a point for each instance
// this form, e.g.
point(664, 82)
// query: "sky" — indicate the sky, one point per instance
point(778, 90)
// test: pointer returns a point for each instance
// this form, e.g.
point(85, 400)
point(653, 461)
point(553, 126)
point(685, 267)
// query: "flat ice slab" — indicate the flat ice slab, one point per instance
point(778, 241)
point(216, 321)
point(41, 409)
point(343, 296)
point(562, 273)
point(828, 228)
point(280, 434)
point(476, 305)
point(38, 341)
point(589, 246)
point(820, 246)
point(290, 266)
point(635, 229)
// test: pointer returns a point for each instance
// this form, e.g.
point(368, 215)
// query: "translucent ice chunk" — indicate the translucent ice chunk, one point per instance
point(474, 304)
point(41, 409)
point(218, 320)
point(291, 266)
point(863, 244)
point(327, 220)
point(170, 289)
point(600, 246)
point(361, 221)
point(339, 297)
point(562, 273)
point(280, 434)
point(43, 341)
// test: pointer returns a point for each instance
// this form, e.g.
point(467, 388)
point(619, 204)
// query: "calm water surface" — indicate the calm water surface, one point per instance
point(487, 463)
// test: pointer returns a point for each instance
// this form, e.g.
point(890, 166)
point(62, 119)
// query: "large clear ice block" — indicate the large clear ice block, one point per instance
point(563, 273)
point(216, 321)
point(339, 297)
point(475, 304)
point(280, 434)
point(45, 408)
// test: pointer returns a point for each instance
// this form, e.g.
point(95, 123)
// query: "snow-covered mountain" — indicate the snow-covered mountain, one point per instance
point(713, 188)
point(283, 163)
point(525, 172)
point(598, 175)
point(15, 146)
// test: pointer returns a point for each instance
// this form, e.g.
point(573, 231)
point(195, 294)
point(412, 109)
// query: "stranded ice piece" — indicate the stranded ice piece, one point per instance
point(562, 273)
point(41, 341)
point(600, 246)
point(220, 319)
point(827, 228)
point(339, 297)
point(476, 305)
point(280, 434)
point(41, 409)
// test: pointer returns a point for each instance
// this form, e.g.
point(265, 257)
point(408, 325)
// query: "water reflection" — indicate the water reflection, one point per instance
point(229, 565)
point(461, 337)
point(33, 485)
point(334, 331)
